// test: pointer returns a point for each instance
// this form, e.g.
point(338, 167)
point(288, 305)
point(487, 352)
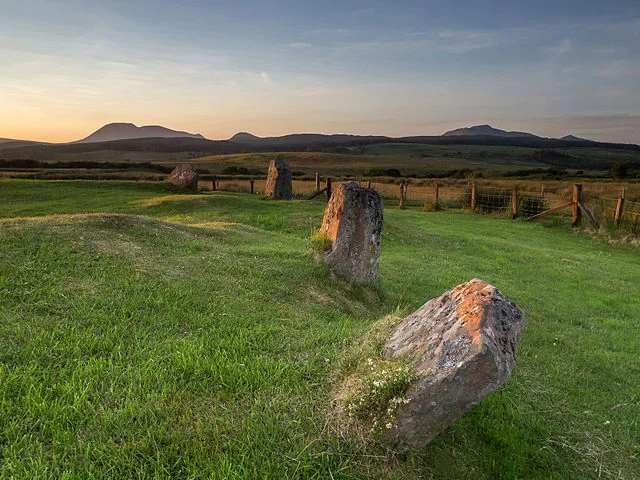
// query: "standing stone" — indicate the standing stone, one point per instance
point(278, 184)
point(184, 176)
point(463, 347)
point(353, 224)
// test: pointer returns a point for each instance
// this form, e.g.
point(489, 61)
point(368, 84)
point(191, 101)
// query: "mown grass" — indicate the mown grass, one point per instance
point(192, 336)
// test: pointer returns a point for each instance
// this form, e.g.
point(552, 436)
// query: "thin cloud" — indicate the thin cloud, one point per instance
point(299, 45)
point(561, 49)
point(462, 41)
point(266, 78)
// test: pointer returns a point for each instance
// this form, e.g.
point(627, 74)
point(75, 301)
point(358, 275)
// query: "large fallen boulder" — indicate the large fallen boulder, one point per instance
point(462, 346)
point(353, 224)
point(184, 176)
point(278, 185)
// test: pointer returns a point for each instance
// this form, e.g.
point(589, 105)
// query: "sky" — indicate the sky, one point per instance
point(398, 68)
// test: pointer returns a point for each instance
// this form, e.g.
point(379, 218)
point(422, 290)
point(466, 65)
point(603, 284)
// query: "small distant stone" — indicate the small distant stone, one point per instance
point(353, 223)
point(279, 180)
point(462, 345)
point(184, 176)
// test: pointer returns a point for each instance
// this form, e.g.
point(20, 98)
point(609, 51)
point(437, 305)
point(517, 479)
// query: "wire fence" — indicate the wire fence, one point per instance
point(490, 199)
point(624, 213)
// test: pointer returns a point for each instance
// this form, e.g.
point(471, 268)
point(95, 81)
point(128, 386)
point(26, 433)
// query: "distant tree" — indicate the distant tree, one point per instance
point(381, 172)
point(620, 170)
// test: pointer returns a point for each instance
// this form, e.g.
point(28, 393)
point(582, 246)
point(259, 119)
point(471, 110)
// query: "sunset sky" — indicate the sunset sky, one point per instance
point(363, 67)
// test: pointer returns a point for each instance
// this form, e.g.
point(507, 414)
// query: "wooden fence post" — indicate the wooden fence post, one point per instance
point(328, 189)
point(252, 183)
point(214, 187)
point(406, 187)
point(317, 182)
point(402, 195)
point(514, 202)
point(369, 184)
point(436, 193)
point(577, 199)
point(542, 192)
point(474, 196)
point(620, 208)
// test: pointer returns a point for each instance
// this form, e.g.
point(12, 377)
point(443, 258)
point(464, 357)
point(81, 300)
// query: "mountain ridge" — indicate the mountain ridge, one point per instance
point(128, 131)
point(486, 130)
point(175, 140)
point(573, 138)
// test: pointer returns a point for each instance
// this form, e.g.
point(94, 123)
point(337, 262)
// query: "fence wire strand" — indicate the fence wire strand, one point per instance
point(491, 200)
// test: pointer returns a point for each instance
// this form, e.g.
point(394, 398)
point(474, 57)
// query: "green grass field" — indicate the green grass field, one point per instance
point(410, 159)
point(149, 334)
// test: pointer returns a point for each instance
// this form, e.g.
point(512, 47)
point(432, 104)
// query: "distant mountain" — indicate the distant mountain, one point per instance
point(573, 138)
point(5, 140)
point(127, 131)
point(244, 137)
point(486, 130)
point(297, 140)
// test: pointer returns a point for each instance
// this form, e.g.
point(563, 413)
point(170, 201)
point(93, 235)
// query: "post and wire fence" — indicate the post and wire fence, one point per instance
point(605, 204)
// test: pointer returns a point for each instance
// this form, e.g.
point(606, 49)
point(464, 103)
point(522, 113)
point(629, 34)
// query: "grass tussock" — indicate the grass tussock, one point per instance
point(370, 385)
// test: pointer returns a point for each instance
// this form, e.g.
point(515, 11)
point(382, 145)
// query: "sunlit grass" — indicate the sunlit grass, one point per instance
point(135, 345)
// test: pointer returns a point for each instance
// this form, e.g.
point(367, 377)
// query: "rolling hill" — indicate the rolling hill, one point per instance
point(303, 139)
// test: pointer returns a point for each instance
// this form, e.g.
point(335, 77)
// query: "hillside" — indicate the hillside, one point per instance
point(125, 131)
point(147, 145)
point(303, 140)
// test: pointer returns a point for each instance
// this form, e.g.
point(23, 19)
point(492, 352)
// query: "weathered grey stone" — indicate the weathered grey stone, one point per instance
point(463, 346)
point(184, 176)
point(353, 222)
point(278, 184)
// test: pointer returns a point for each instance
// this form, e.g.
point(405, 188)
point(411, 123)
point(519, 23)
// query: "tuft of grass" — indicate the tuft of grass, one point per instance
point(432, 207)
point(369, 385)
point(320, 242)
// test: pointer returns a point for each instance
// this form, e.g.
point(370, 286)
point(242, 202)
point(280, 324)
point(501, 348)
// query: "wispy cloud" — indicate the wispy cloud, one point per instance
point(462, 41)
point(448, 41)
point(618, 69)
point(266, 78)
point(299, 45)
point(562, 48)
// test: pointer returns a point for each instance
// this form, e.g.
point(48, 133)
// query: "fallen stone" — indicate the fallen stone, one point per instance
point(462, 345)
point(184, 176)
point(278, 185)
point(353, 223)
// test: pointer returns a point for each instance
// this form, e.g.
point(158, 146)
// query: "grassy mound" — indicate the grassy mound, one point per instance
point(144, 333)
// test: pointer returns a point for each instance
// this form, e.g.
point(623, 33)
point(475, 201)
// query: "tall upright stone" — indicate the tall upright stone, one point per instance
point(462, 346)
point(184, 176)
point(353, 223)
point(278, 185)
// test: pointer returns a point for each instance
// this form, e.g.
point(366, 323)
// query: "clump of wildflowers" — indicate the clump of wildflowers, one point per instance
point(383, 390)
